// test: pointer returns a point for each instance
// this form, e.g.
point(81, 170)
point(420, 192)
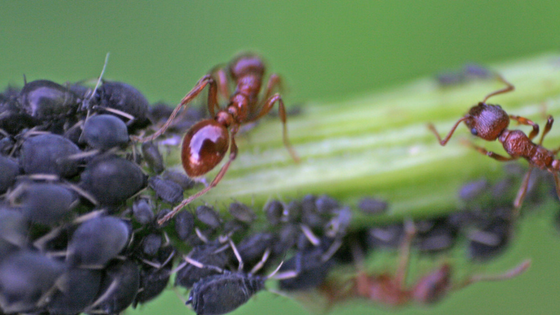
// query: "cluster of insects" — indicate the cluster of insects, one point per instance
point(91, 220)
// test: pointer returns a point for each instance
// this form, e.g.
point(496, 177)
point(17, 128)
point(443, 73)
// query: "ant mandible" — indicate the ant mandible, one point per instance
point(490, 122)
point(206, 142)
point(392, 291)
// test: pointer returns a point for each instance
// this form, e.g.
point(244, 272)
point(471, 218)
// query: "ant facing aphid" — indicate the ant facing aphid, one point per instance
point(207, 142)
point(490, 122)
point(392, 291)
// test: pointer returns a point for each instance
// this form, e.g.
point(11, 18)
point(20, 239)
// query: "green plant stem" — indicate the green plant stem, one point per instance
point(379, 145)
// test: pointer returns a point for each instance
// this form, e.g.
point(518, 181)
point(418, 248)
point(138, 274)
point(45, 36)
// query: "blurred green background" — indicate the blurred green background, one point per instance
point(326, 51)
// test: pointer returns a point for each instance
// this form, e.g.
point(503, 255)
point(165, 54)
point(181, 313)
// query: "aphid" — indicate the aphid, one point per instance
point(392, 291)
point(154, 279)
point(192, 270)
point(151, 244)
point(180, 178)
point(225, 292)
point(274, 212)
point(25, 279)
point(207, 142)
point(13, 231)
point(43, 203)
point(119, 288)
point(9, 169)
point(97, 241)
point(75, 290)
point(489, 241)
point(208, 216)
point(48, 154)
point(167, 190)
point(242, 212)
point(490, 122)
point(372, 206)
point(104, 132)
point(46, 100)
point(112, 180)
point(152, 156)
point(142, 211)
point(184, 224)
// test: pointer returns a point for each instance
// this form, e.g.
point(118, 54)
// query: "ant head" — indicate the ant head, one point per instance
point(487, 121)
point(204, 146)
point(432, 287)
point(246, 63)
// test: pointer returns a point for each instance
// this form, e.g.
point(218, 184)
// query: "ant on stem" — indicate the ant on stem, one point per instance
point(207, 142)
point(391, 290)
point(490, 122)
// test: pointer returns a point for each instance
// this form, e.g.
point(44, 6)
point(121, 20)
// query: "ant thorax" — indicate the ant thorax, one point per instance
point(487, 121)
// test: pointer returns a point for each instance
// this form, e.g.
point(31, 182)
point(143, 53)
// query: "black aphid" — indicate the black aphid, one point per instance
point(167, 190)
point(75, 291)
point(112, 180)
point(104, 132)
point(372, 205)
point(46, 100)
point(184, 224)
point(9, 169)
point(274, 211)
point(143, 212)
point(49, 154)
point(26, 278)
point(180, 178)
point(119, 288)
point(125, 98)
point(242, 212)
point(97, 241)
point(208, 216)
point(207, 255)
point(153, 157)
point(44, 203)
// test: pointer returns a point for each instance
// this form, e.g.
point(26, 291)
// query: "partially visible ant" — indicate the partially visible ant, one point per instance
point(207, 142)
point(490, 122)
point(392, 291)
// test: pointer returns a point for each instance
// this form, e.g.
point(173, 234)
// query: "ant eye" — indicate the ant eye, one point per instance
point(474, 132)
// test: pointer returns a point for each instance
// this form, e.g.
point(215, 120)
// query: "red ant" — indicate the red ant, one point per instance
point(490, 122)
point(207, 142)
point(391, 290)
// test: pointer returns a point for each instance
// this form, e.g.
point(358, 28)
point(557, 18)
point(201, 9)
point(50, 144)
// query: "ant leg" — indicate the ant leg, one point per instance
point(513, 272)
point(222, 79)
point(282, 113)
point(509, 88)
point(404, 253)
point(491, 154)
point(212, 102)
point(527, 122)
point(221, 173)
point(444, 141)
point(274, 81)
point(521, 193)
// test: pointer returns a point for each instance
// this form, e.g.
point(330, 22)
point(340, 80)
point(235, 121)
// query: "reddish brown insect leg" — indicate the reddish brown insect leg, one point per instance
point(404, 253)
point(189, 97)
point(527, 122)
point(491, 154)
point(282, 113)
point(274, 81)
point(513, 272)
point(444, 141)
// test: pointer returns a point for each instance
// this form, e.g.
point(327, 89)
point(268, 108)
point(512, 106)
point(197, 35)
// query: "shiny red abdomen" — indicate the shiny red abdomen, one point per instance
point(204, 146)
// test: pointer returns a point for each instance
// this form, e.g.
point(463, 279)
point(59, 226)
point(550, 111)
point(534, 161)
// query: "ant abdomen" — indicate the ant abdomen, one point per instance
point(204, 146)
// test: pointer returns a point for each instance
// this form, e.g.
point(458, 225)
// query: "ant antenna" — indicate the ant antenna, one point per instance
point(509, 88)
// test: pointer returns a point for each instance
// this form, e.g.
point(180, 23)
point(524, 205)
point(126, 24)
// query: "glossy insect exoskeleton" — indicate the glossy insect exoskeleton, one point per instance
point(207, 142)
point(13, 118)
point(153, 157)
point(490, 122)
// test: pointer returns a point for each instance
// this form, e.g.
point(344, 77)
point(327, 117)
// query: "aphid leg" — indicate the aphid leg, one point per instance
point(237, 255)
point(282, 113)
point(219, 176)
point(212, 103)
point(404, 253)
point(521, 193)
point(491, 154)
point(515, 271)
point(311, 237)
point(509, 88)
point(444, 141)
point(527, 122)
point(261, 263)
